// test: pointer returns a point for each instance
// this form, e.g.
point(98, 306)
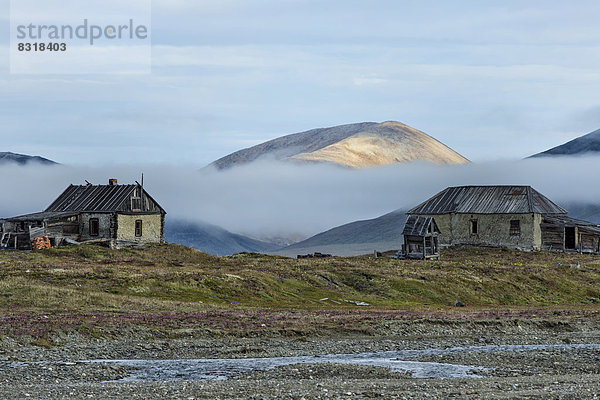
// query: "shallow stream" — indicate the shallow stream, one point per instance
point(397, 361)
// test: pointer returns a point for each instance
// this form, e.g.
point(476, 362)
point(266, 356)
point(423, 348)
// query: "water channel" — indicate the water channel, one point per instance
point(397, 361)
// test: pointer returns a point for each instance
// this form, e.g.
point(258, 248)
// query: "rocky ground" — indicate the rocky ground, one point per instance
point(51, 370)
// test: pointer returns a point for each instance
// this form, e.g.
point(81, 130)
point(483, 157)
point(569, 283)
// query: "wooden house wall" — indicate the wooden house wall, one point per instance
point(23, 242)
point(11, 226)
point(421, 246)
point(60, 230)
point(148, 205)
point(17, 234)
point(413, 243)
point(589, 242)
point(553, 237)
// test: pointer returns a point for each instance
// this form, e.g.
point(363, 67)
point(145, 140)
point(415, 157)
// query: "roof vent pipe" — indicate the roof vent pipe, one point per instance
point(112, 182)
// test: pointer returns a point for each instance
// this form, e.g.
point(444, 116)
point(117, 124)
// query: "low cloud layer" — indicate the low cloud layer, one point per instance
point(270, 198)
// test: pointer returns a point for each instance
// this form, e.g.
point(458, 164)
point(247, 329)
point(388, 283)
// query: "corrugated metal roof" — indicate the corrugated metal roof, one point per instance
point(98, 198)
point(488, 200)
point(418, 226)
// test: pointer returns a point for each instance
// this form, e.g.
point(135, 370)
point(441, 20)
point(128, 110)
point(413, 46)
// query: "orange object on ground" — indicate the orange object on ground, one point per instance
point(41, 243)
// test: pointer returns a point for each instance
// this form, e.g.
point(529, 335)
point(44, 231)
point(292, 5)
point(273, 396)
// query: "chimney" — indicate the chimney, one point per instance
point(112, 182)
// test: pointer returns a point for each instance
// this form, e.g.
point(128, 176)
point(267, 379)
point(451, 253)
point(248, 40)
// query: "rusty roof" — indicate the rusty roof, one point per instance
point(94, 198)
point(418, 226)
point(489, 200)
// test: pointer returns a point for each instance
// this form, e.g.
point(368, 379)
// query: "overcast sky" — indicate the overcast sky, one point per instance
point(491, 79)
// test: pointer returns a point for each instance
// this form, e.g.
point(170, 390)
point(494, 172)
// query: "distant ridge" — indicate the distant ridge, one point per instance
point(586, 144)
point(355, 238)
point(22, 159)
point(212, 239)
point(360, 145)
point(385, 233)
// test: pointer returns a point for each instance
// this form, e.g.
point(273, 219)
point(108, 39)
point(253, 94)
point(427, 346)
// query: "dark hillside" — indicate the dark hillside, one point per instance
point(22, 159)
point(587, 144)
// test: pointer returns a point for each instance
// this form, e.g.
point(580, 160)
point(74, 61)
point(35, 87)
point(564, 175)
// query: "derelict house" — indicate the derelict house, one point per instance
point(509, 216)
point(114, 214)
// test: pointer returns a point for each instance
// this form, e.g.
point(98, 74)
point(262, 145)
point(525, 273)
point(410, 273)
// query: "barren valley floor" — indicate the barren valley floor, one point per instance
point(61, 308)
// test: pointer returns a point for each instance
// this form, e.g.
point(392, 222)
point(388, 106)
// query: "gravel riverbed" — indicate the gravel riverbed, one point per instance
point(56, 370)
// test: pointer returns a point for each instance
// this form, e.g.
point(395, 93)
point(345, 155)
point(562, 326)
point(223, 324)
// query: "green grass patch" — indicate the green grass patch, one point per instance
point(167, 278)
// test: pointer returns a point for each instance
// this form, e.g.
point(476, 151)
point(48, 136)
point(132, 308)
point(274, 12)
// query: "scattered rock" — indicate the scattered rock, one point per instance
point(459, 303)
point(357, 303)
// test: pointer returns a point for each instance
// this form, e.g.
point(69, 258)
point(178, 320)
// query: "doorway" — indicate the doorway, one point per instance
point(569, 237)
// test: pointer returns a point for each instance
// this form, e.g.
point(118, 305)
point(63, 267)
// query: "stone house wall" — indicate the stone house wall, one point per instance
point(105, 222)
point(151, 228)
point(493, 230)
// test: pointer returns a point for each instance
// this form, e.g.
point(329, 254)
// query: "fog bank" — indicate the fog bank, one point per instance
point(272, 198)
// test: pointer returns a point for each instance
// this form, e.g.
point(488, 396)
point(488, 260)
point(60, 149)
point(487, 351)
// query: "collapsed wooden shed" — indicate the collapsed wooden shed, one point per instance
point(421, 238)
point(17, 232)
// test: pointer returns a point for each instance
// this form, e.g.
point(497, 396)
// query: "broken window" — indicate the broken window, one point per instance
point(515, 227)
point(136, 204)
point(94, 227)
point(474, 227)
point(138, 228)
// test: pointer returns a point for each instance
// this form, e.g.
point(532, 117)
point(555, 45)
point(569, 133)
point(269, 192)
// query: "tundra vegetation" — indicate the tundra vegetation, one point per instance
point(174, 291)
